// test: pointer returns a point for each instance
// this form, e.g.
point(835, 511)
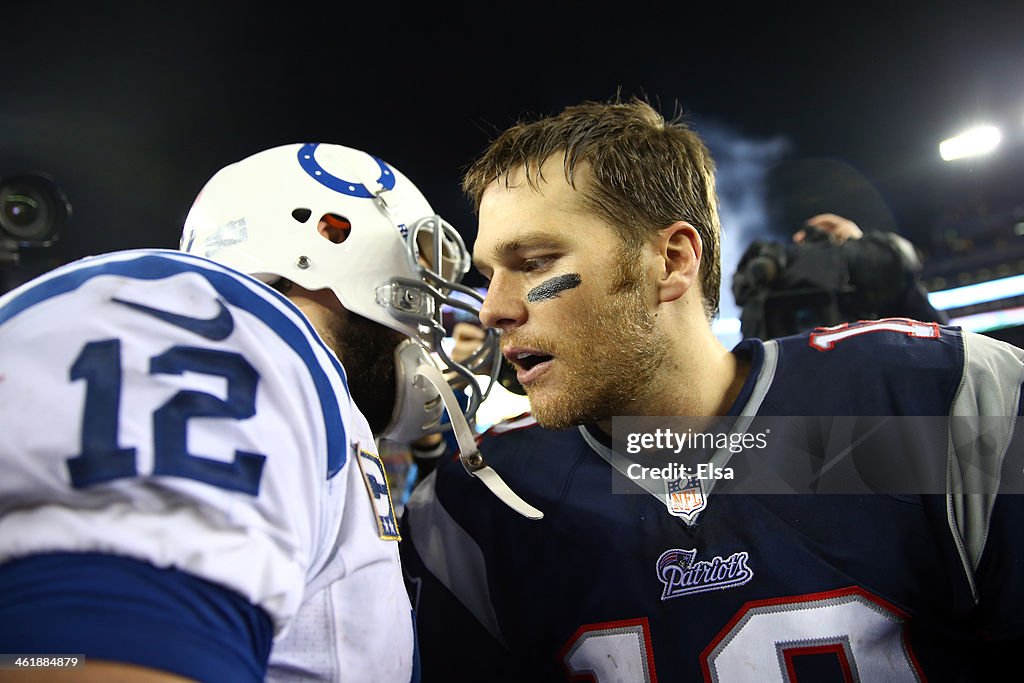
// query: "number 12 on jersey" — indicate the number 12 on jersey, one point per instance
point(102, 459)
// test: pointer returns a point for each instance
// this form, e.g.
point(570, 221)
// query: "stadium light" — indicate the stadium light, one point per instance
point(972, 142)
point(978, 293)
point(990, 320)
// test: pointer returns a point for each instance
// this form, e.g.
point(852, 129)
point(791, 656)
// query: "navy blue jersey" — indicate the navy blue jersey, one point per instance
point(889, 551)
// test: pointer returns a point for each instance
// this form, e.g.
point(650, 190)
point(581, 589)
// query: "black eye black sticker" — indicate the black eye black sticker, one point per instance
point(553, 287)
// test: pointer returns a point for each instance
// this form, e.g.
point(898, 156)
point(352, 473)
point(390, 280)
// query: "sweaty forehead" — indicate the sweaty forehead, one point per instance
point(499, 241)
point(511, 208)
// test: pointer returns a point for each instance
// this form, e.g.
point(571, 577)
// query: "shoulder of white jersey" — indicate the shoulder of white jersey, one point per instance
point(138, 264)
point(159, 265)
point(199, 299)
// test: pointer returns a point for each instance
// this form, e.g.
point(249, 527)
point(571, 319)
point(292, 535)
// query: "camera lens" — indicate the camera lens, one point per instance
point(23, 214)
point(32, 209)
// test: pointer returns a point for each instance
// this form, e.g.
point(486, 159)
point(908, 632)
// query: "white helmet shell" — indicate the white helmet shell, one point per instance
point(260, 216)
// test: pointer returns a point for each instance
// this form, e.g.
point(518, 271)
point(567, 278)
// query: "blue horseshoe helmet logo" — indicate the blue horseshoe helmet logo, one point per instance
point(307, 160)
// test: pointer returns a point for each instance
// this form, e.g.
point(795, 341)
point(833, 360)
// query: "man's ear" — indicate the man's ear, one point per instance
point(680, 249)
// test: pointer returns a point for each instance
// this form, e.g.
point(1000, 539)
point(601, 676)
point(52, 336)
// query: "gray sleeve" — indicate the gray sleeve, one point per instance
point(449, 553)
point(983, 419)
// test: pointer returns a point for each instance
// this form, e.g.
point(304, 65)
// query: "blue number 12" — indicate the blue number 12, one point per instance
point(101, 459)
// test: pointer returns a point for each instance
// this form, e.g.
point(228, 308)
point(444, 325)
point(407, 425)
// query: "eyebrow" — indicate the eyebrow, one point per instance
point(503, 248)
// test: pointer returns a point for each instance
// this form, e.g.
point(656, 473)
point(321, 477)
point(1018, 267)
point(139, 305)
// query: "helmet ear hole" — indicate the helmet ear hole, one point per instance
point(301, 215)
point(334, 227)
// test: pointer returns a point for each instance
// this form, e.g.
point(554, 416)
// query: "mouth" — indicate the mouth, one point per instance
point(529, 363)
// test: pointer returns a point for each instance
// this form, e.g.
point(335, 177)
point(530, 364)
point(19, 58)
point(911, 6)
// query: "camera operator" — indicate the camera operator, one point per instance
point(833, 272)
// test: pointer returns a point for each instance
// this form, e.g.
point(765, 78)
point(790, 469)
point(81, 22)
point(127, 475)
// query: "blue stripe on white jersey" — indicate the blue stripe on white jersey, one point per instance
point(238, 290)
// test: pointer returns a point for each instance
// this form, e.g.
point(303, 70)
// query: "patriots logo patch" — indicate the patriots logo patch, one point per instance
point(682, 574)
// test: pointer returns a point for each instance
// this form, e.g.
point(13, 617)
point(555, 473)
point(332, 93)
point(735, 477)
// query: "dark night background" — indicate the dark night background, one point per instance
point(132, 106)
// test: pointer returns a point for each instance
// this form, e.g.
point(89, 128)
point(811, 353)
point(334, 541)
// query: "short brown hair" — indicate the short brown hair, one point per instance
point(647, 173)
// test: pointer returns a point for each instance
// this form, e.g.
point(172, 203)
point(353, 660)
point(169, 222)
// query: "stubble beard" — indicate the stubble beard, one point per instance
point(609, 359)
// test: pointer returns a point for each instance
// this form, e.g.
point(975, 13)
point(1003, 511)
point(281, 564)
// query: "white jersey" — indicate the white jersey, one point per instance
point(158, 406)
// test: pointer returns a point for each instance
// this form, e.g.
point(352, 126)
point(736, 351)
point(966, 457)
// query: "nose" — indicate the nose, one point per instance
point(504, 307)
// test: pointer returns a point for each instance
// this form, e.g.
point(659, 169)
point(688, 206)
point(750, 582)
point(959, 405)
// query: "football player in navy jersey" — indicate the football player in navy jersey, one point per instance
point(191, 485)
point(841, 505)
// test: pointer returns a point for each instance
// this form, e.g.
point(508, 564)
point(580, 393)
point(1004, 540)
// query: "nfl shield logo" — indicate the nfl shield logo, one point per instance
point(686, 498)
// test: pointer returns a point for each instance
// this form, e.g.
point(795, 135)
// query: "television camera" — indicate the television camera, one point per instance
point(785, 289)
point(33, 211)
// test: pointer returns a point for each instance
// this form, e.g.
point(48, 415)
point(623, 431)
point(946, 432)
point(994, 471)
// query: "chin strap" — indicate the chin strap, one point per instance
point(470, 456)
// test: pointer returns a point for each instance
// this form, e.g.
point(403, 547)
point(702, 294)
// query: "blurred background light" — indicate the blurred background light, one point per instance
point(970, 143)
point(982, 292)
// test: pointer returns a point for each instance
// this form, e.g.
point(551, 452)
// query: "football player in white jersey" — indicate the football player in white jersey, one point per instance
point(191, 483)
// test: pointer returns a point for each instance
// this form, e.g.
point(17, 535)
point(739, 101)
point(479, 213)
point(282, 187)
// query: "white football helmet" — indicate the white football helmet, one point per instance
point(385, 254)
